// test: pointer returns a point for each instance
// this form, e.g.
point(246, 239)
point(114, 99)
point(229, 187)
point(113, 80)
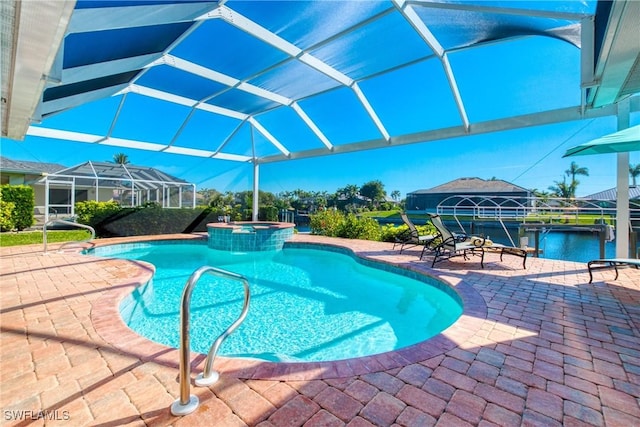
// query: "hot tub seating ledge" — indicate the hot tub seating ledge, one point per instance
point(249, 236)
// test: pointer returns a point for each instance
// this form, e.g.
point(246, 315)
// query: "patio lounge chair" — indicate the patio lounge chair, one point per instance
point(450, 245)
point(412, 238)
point(610, 263)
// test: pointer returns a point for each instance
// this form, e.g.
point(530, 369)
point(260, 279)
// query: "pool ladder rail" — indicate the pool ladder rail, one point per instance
point(187, 403)
point(69, 223)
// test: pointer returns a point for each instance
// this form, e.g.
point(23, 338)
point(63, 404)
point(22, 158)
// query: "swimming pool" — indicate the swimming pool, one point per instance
point(308, 304)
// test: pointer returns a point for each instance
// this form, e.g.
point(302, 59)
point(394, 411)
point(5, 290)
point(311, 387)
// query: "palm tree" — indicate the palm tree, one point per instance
point(574, 170)
point(350, 192)
point(541, 194)
point(563, 190)
point(634, 171)
point(121, 159)
point(395, 195)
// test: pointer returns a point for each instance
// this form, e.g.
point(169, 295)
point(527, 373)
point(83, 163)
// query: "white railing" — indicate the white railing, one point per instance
point(69, 223)
point(187, 403)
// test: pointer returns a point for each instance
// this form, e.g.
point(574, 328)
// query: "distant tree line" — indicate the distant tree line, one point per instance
point(350, 198)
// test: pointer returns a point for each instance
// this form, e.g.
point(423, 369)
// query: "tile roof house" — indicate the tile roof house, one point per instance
point(20, 172)
point(57, 187)
point(608, 198)
point(612, 194)
point(476, 188)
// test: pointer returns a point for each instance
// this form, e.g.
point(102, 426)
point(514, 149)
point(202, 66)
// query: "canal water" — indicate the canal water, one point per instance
point(582, 246)
point(579, 246)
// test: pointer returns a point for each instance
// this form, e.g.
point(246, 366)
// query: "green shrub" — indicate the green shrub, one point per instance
point(364, 228)
point(92, 212)
point(391, 233)
point(6, 215)
point(334, 223)
point(22, 197)
point(326, 223)
point(268, 213)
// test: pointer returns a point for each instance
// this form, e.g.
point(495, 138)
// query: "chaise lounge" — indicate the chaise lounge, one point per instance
point(450, 245)
point(412, 237)
point(598, 264)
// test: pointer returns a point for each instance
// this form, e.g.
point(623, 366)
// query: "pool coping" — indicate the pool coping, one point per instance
point(108, 323)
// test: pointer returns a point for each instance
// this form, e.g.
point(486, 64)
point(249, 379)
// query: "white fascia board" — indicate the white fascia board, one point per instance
point(325, 69)
point(372, 113)
point(63, 135)
point(316, 130)
point(102, 69)
point(270, 137)
point(245, 24)
point(410, 14)
point(455, 91)
point(110, 18)
point(619, 52)
point(130, 143)
point(31, 44)
point(199, 70)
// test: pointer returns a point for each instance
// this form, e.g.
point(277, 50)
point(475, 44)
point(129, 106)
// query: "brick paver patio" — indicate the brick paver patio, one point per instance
point(534, 347)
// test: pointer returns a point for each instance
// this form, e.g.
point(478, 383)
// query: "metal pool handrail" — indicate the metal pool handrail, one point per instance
point(74, 224)
point(187, 403)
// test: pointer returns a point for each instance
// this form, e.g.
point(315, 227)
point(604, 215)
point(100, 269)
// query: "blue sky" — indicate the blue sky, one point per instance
point(495, 81)
point(529, 157)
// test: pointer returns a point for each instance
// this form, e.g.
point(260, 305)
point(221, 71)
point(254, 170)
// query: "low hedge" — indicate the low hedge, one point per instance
point(334, 223)
point(20, 215)
point(111, 220)
point(337, 224)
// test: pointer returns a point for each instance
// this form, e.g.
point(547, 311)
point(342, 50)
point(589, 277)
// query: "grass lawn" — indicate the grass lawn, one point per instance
point(35, 237)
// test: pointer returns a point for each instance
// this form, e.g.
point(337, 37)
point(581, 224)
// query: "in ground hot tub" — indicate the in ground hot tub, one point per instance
point(249, 236)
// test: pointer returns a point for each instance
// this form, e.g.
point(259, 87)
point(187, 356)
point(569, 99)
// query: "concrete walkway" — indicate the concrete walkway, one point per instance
point(534, 347)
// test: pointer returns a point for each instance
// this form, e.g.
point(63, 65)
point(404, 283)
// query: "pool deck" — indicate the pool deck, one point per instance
point(534, 347)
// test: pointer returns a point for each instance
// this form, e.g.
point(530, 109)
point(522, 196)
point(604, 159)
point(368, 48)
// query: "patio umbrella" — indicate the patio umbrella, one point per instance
point(618, 142)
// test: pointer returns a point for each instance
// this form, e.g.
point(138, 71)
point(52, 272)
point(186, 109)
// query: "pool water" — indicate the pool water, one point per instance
point(306, 304)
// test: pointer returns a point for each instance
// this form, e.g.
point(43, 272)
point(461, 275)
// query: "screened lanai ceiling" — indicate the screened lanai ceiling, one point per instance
point(266, 81)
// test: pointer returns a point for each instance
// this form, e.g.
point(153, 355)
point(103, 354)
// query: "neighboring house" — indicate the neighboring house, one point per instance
point(611, 194)
point(19, 172)
point(607, 199)
point(57, 188)
point(466, 193)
